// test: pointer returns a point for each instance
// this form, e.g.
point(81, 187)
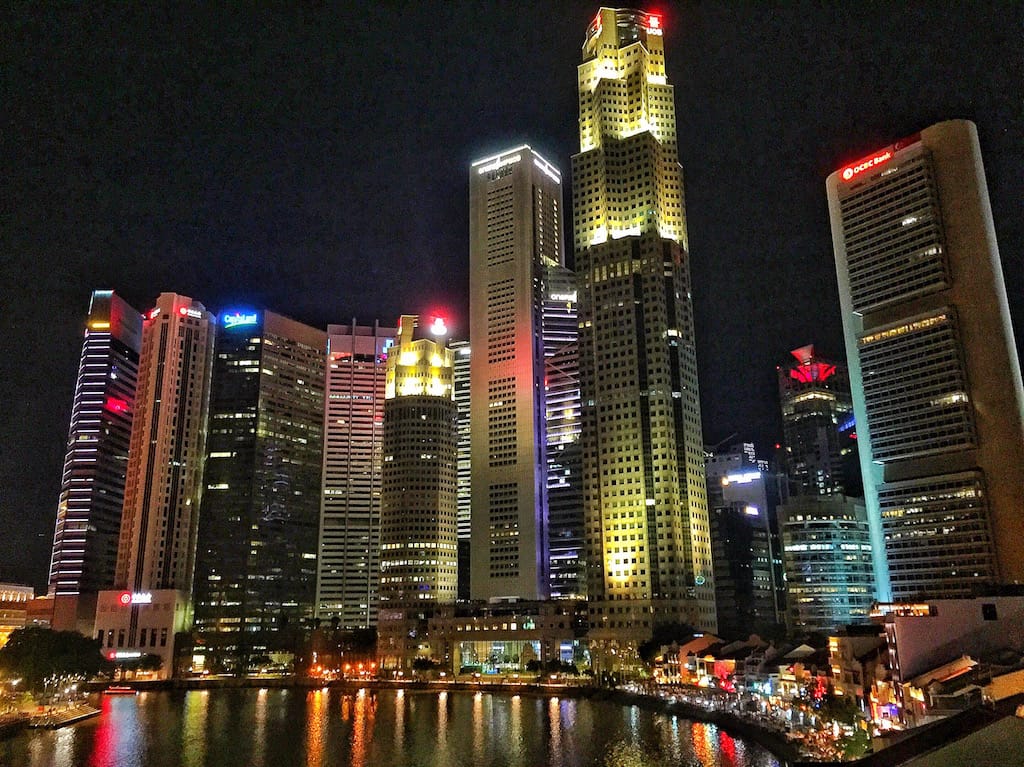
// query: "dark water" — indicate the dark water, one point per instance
point(324, 728)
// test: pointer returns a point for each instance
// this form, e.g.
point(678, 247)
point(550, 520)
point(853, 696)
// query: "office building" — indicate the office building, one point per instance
point(826, 552)
point(92, 485)
point(419, 488)
point(743, 496)
point(644, 494)
point(348, 574)
point(933, 365)
point(255, 580)
point(515, 235)
point(567, 575)
point(464, 493)
point(817, 420)
point(150, 601)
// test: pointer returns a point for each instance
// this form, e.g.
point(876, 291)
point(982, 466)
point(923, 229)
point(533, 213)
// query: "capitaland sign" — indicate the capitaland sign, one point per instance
point(852, 171)
point(239, 319)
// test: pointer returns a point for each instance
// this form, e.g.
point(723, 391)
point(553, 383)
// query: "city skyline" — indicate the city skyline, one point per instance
point(142, 208)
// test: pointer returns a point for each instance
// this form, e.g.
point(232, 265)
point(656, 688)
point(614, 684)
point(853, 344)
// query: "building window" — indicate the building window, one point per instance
point(988, 612)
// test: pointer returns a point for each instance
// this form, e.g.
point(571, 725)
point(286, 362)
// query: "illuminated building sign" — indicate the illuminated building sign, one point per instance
point(116, 405)
point(137, 598)
point(126, 654)
point(741, 478)
point(654, 25)
point(184, 311)
point(438, 327)
point(152, 313)
point(851, 171)
point(239, 319)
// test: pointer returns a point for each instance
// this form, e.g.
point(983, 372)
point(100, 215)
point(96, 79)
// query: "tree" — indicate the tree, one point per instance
point(35, 653)
point(664, 634)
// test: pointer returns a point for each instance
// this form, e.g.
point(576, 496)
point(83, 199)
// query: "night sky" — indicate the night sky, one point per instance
point(316, 163)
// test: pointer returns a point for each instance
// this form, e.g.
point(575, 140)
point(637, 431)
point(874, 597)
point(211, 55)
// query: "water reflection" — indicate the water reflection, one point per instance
point(257, 728)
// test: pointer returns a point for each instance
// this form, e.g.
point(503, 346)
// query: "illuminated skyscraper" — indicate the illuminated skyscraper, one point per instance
point(256, 569)
point(936, 380)
point(92, 487)
point(349, 565)
point(418, 518)
point(560, 330)
point(157, 546)
point(817, 422)
point(645, 504)
point(465, 490)
point(515, 235)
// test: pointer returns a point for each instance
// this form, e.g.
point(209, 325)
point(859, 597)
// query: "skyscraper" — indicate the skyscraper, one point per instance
point(260, 515)
point(419, 520)
point(645, 504)
point(826, 551)
point(157, 545)
point(515, 230)
point(816, 406)
point(348, 576)
point(464, 496)
point(933, 365)
point(92, 485)
point(559, 320)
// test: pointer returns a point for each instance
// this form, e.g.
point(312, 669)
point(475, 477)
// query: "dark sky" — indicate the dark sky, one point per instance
point(316, 163)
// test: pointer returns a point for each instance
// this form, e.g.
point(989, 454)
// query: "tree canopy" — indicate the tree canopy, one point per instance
point(34, 654)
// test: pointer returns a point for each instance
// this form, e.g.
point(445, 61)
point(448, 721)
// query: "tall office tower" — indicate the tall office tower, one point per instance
point(92, 485)
point(255, 580)
point(936, 379)
point(644, 494)
point(816, 404)
point(560, 331)
point(826, 550)
point(419, 489)
point(464, 496)
point(348, 574)
point(515, 235)
point(749, 586)
point(157, 546)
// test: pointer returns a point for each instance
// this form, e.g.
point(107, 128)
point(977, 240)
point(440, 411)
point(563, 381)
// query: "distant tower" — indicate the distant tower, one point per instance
point(418, 521)
point(644, 493)
point(349, 565)
point(260, 514)
point(933, 364)
point(515, 199)
point(92, 487)
point(156, 551)
point(816, 406)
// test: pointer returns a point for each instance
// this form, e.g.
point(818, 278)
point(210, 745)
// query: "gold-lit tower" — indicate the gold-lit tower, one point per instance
point(645, 498)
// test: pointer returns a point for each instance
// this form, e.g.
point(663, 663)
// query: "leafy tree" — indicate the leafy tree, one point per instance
point(425, 664)
point(35, 653)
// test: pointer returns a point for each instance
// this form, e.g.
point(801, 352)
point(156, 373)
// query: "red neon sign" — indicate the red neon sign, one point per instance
point(866, 164)
point(116, 405)
point(654, 21)
point(125, 598)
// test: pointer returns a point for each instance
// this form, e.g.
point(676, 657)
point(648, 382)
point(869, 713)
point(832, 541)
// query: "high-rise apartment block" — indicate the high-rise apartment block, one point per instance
point(935, 375)
point(156, 550)
point(92, 485)
point(256, 568)
point(515, 232)
point(419, 520)
point(817, 420)
point(349, 565)
point(645, 504)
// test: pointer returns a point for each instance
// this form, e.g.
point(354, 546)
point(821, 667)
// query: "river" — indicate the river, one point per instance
point(388, 728)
